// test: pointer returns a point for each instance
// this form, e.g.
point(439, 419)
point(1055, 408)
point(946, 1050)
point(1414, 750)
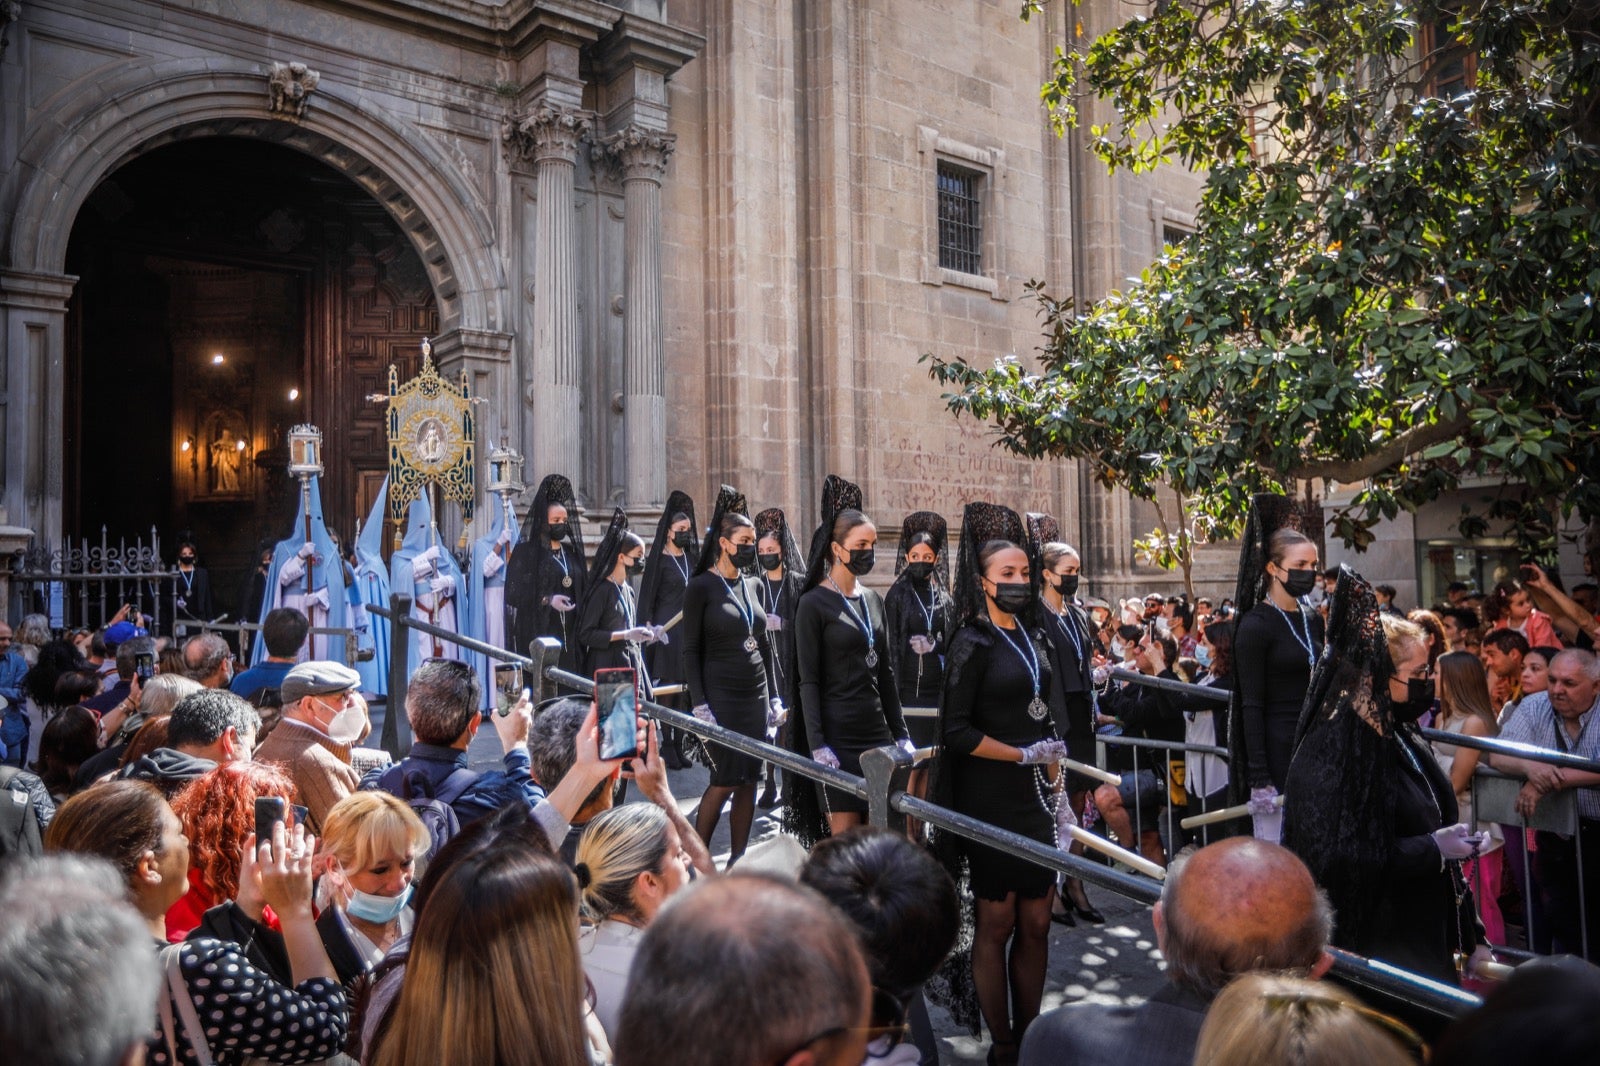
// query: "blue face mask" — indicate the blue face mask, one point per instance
point(1202, 654)
point(379, 910)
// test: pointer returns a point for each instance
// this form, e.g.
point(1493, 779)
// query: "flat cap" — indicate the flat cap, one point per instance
point(317, 678)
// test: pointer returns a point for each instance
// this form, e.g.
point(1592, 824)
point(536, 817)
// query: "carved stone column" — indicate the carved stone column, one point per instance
point(548, 137)
point(642, 155)
point(33, 314)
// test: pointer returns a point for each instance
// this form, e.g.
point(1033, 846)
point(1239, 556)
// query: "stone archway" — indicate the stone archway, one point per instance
point(143, 106)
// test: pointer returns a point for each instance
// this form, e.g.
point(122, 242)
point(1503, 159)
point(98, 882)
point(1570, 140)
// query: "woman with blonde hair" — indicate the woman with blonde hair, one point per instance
point(493, 976)
point(630, 861)
point(368, 858)
point(1464, 707)
point(1269, 1020)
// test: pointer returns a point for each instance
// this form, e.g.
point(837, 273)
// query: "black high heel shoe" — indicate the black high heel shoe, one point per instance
point(1064, 918)
point(1085, 910)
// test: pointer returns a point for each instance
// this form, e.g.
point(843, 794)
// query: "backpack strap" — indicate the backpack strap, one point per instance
point(455, 786)
point(177, 992)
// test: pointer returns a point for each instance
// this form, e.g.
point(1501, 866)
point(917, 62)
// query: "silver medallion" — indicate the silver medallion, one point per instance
point(751, 644)
point(872, 658)
point(1037, 709)
point(566, 581)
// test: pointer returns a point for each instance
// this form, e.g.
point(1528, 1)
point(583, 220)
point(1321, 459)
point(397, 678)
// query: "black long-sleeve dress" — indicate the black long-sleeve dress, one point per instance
point(1273, 669)
point(1070, 643)
point(603, 614)
point(846, 704)
point(780, 597)
point(672, 578)
point(918, 609)
point(987, 693)
point(559, 573)
point(724, 671)
point(187, 598)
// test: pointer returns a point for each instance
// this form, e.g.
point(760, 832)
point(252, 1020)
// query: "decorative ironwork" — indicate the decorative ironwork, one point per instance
point(79, 583)
point(432, 442)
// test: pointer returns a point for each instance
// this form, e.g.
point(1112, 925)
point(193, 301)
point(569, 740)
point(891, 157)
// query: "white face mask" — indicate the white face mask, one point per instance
point(1117, 648)
point(347, 725)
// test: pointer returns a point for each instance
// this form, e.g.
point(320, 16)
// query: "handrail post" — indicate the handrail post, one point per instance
point(887, 770)
point(543, 651)
point(396, 730)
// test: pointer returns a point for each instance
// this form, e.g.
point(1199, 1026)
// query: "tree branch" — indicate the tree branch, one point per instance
point(1408, 443)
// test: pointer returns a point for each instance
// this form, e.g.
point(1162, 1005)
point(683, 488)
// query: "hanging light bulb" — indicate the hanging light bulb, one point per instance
point(294, 394)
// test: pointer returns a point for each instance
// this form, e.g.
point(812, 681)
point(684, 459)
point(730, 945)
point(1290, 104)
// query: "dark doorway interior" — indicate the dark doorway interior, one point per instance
point(230, 289)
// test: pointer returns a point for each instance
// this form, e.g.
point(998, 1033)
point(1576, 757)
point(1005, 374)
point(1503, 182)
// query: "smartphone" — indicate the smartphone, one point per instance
point(269, 810)
point(300, 813)
point(616, 696)
point(507, 687)
point(144, 666)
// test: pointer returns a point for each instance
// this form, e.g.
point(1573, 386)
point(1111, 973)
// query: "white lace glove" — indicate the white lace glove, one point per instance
point(562, 604)
point(774, 623)
point(660, 635)
point(1043, 752)
point(492, 565)
point(504, 537)
point(442, 585)
point(1454, 842)
point(826, 757)
point(777, 713)
point(307, 550)
point(921, 644)
point(703, 712)
point(1262, 800)
point(1065, 820)
point(639, 635)
point(905, 745)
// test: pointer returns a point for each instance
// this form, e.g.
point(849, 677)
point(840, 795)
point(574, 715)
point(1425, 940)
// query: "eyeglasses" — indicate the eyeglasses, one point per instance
point(884, 1005)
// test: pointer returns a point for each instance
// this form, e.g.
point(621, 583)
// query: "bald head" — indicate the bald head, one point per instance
point(1238, 906)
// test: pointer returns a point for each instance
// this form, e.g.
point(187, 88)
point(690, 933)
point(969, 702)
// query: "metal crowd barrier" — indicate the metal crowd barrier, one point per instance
point(244, 634)
point(887, 771)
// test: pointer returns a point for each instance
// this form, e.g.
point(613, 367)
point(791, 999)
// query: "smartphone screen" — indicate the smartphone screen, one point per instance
point(269, 809)
point(507, 686)
point(616, 698)
point(144, 666)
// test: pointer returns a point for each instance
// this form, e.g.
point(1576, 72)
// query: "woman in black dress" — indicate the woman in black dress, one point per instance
point(608, 618)
point(1000, 747)
point(1276, 643)
point(1370, 811)
point(848, 698)
point(781, 573)
point(1070, 643)
point(672, 559)
point(727, 658)
point(917, 610)
point(545, 576)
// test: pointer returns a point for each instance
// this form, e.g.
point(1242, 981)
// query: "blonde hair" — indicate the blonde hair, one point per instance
point(365, 826)
point(1289, 1021)
point(1401, 634)
point(1464, 689)
point(616, 848)
point(494, 974)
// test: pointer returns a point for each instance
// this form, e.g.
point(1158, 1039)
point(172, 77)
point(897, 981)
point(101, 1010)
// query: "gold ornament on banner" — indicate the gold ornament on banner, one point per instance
point(432, 444)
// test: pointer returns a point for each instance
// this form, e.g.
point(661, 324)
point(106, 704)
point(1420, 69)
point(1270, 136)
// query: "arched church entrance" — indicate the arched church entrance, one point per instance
point(230, 288)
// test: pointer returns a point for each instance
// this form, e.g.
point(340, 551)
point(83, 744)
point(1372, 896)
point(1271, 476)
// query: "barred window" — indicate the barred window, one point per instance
point(960, 219)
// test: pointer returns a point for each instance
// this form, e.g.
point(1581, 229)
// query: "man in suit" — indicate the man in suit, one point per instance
point(1237, 906)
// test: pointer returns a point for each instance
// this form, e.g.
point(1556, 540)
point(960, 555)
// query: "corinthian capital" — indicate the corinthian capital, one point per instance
point(638, 152)
point(548, 133)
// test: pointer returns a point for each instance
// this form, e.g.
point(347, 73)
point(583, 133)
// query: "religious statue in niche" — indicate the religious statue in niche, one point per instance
point(224, 472)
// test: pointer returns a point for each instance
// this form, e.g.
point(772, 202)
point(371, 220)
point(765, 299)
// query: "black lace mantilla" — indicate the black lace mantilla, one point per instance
point(729, 501)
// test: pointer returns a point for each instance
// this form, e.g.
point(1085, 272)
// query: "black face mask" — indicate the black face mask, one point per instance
point(919, 571)
point(1300, 583)
point(772, 561)
point(743, 556)
point(860, 561)
point(636, 568)
point(680, 539)
point(1012, 597)
point(186, 560)
point(1068, 584)
point(1419, 700)
point(558, 531)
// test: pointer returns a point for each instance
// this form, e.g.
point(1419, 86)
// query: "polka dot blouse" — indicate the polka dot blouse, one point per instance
point(246, 1012)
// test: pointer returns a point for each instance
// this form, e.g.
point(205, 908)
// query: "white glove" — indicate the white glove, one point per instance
point(905, 745)
point(307, 550)
point(561, 603)
point(774, 623)
point(443, 585)
point(1100, 674)
point(292, 570)
point(703, 712)
point(1065, 820)
point(492, 565)
point(504, 537)
point(826, 757)
point(1262, 800)
point(318, 598)
point(1044, 752)
point(660, 635)
point(427, 555)
point(921, 644)
point(777, 713)
point(639, 635)
point(1454, 842)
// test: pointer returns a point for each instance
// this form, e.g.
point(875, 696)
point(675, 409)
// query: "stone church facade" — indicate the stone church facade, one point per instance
point(672, 243)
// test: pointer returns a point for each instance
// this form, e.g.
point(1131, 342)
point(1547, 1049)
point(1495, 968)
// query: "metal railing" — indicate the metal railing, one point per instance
point(884, 788)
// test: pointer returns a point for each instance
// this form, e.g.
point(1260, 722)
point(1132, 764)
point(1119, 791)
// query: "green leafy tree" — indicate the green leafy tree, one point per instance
point(1390, 284)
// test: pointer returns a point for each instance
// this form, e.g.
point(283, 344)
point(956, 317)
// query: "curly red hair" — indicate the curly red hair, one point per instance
point(218, 811)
